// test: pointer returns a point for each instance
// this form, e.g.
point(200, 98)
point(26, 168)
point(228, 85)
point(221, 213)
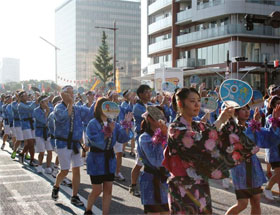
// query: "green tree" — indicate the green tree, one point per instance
point(102, 64)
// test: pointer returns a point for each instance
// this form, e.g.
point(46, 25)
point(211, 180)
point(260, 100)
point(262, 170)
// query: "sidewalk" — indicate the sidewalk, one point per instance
point(23, 191)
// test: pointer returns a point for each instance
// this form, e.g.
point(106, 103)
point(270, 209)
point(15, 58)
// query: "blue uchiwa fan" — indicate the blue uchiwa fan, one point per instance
point(168, 87)
point(208, 104)
point(257, 100)
point(236, 93)
point(111, 110)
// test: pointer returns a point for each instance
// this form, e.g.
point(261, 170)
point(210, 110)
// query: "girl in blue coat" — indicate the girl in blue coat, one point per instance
point(103, 134)
point(248, 177)
point(273, 152)
point(152, 141)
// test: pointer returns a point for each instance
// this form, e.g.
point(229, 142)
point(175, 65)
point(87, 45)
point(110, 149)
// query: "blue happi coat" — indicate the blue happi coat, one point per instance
point(62, 124)
point(4, 114)
point(239, 173)
point(96, 160)
point(138, 109)
point(272, 151)
point(152, 156)
point(10, 116)
point(15, 114)
point(25, 111)
point(50, 124)
point(90, 115)
point(40, 122)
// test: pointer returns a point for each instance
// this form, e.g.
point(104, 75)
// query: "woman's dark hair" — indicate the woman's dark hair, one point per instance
point(142, 88)
point(145, 125)
point(181, 95)
point(272, 104)
point(238, 109)
point(98, 108)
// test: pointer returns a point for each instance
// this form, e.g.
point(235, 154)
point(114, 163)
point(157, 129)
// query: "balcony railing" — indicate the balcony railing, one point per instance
point(153, 67)
point(190, 62)
point(160, 25)
point(160, 46)
point(158, 5)
point(211, 3)
point(226, 30)
point(184, 15)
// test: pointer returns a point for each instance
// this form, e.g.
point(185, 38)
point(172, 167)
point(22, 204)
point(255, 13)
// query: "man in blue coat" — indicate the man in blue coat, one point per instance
point(25, 110)
point(68, 132)
point(42, 135)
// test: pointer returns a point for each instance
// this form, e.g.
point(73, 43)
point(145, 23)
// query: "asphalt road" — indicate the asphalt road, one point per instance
point(22, 191)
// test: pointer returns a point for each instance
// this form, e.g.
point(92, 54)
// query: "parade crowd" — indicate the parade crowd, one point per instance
point(177, 147)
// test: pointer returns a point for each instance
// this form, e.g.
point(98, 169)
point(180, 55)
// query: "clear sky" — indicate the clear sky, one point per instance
point(21, 24)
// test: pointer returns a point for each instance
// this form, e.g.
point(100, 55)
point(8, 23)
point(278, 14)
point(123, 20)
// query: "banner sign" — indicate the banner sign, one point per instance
point(194, 79)
point(208, 104)
point(236, 93)
point(110, 109)
point(168, 87)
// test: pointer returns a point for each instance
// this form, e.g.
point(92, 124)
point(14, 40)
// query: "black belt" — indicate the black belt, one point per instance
point(45, 132)
point(249, 172)
point(16, 119)
point(160, 175)
point(69, 142)
point(30, 122)
point(108, 154)
point(52, 137)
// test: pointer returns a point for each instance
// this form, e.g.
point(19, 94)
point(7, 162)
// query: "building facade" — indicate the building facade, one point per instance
point(196, 35)
point(9, 70)
point(79, 39)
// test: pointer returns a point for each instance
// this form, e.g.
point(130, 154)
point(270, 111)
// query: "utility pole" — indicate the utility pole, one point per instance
point(55, 48)
point(265, 74)
point(114, 63)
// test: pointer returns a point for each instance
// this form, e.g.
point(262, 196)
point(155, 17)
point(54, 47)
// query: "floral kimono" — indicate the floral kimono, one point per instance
point(196, 153)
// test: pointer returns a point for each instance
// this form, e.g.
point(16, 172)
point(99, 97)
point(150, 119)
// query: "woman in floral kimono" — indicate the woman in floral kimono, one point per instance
point(197, 151)
point(248, 177)
point(152, 141)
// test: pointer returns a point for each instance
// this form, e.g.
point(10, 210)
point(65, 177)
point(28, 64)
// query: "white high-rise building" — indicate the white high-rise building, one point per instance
point(9, 70)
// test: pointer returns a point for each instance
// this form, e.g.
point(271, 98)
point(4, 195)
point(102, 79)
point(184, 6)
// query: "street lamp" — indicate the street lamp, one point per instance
point(55, 48)
point(114, 63)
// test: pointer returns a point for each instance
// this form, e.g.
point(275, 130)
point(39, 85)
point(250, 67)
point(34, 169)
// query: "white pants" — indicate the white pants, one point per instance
point(28, 134)
point(43, 145)
point(18, 133)
point(67, 156)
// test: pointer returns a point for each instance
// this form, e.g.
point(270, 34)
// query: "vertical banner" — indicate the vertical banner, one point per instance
point(118, 84)
point(95, 84)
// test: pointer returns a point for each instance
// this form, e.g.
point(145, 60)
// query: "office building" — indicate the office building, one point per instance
point(9, 70)
point(195, 35)
point(79, 39)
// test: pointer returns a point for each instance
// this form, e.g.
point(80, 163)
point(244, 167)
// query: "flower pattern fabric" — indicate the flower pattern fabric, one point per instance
point(196, 153)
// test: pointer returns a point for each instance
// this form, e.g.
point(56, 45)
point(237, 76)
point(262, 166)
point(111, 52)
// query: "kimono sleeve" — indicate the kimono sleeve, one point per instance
point(39, 115)
point(265, 138)
point(95, 134)
point(122, 135)
point(84, 111)
point(60, 113)
point(28, 106)
point(152, 152)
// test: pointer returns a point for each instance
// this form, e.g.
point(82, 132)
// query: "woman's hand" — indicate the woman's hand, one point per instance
point(111, 126)
point(257, 115)
point(163, 127)
point(276, 112)
point(226, 114)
